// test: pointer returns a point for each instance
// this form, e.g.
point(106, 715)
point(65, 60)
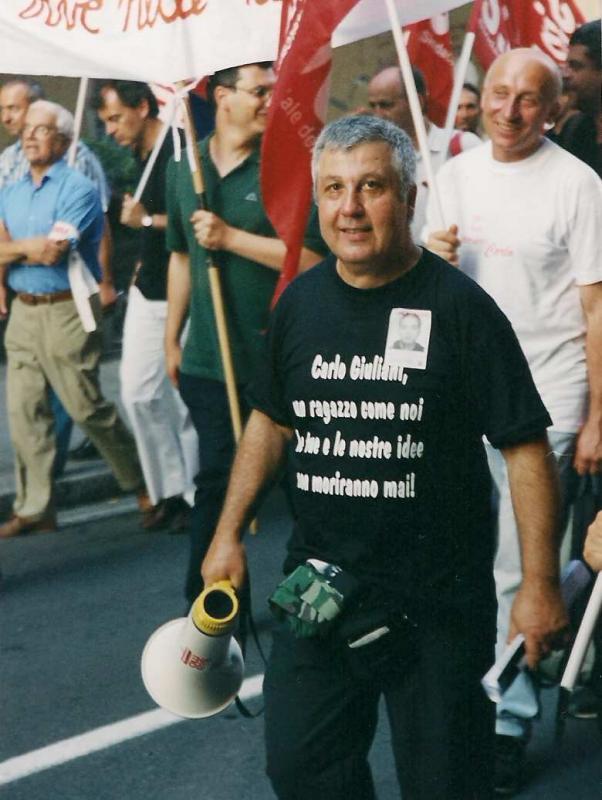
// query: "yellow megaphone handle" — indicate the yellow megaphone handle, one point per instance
point(215, 609)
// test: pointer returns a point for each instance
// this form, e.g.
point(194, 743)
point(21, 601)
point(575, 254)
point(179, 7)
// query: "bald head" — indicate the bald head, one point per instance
point(520, 95)
point(527, 58)
point(387, 97)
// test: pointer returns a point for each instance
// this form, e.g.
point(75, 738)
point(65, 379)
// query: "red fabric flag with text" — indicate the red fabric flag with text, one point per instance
point(296, 116)
point(500, 25)
point(429, 48)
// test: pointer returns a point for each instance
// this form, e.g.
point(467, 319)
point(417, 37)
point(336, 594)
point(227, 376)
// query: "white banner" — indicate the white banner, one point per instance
point(164, 40)
point(369, 17)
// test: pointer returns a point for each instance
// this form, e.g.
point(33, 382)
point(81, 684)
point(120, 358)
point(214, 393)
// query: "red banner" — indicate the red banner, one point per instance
point(296, 116)
point(500, 25)
point(429, 48)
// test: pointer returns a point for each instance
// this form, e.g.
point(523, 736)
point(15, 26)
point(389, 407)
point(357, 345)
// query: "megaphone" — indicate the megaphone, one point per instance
point(192, 666)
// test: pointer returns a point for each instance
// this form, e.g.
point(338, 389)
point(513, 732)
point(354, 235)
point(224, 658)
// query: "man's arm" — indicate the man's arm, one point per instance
point(33, 250)
point(106, 287)
point(213, 233)
point(538, 611)
point(258, 458)
point(3, 293)
point(588, 453)
point(178, 300)
point(132, 212)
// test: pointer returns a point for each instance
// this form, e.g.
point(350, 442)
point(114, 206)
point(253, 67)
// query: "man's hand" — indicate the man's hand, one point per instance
point(225, 560)
point(173, 359)
point(41, 250)
point(592, 551)
point(131, 212)
point(108, 295)
point(538, 613)
point(3, 301)
point(445, 244)
point(588, 451)
point(211, 231)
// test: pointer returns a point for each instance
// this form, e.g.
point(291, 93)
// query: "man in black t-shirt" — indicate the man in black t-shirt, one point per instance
point(583, 76)
point(390, 484)
point(165, 437)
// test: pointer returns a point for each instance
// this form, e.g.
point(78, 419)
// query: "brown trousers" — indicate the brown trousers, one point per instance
point(47, 345)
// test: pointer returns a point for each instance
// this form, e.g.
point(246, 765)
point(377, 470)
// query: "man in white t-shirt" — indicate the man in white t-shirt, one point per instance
point(526, 223)
point(387, 98)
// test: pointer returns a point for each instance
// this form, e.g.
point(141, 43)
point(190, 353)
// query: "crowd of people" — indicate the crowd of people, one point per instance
point(433, 407)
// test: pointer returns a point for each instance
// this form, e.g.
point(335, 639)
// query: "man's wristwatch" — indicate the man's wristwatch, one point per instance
point(147, 221)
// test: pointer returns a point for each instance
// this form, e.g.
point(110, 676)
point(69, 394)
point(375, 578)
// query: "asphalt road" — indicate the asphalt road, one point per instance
point(76, 608)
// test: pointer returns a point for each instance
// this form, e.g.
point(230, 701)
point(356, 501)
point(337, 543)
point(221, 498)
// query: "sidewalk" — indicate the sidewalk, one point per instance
point(83, 482)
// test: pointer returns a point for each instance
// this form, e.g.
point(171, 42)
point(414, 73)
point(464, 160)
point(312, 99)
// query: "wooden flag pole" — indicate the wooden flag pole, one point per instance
point(214, 278)
point(215, 286)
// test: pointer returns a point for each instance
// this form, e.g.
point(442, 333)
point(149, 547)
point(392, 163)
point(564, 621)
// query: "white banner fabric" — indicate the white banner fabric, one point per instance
point(164, 40)
point(369, 17)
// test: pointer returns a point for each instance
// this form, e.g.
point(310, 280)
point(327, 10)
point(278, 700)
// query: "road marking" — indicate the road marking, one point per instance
point(100, 738)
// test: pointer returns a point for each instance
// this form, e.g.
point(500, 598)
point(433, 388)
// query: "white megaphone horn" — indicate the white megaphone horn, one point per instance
point(192, 666)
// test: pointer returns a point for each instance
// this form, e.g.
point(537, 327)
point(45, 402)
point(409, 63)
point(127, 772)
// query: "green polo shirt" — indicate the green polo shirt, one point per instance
point(247, 286)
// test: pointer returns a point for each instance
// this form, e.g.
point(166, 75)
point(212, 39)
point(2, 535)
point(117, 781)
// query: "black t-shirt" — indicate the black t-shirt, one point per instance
point(151, 277)
point(579, 137)
point(387, 465)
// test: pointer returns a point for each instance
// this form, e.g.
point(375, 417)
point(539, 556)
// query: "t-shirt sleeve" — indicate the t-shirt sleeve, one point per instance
point(507, 404)
point(266, 391)
point(584, 227)
point(313, 238)
point(175, 235)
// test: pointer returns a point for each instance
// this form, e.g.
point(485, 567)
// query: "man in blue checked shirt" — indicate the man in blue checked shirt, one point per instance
point(45, 340)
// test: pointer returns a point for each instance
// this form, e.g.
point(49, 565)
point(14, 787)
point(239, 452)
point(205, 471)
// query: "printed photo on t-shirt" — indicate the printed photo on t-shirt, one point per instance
point(408, 337)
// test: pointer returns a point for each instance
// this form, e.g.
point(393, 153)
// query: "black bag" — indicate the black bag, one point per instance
point(378, 641)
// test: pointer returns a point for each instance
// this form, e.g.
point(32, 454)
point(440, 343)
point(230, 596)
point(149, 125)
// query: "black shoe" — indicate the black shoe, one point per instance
point(86, 451)
point(172, 513)
point(509, 765)
point(178, 514)
point(584, 703)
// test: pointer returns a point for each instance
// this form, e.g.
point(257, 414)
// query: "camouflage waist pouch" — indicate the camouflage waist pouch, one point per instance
point(312, 597)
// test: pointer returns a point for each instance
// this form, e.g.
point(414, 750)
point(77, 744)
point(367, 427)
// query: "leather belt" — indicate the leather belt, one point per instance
point(41, 299)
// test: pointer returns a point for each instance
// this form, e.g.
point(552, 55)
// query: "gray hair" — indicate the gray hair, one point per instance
point(348, 132)
point(63, 118)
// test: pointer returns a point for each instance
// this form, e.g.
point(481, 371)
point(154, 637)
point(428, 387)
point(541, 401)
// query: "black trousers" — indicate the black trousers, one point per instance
point(207, 402)
point(320, 720)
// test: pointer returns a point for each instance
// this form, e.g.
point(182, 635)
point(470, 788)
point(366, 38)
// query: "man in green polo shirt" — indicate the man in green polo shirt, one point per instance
point(240, 239)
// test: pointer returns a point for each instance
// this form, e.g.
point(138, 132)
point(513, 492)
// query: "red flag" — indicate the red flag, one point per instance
point(429, 48)
point(500, 25)
point(296, 116)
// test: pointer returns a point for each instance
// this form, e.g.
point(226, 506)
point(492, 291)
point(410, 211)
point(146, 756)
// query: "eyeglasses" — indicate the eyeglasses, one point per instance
point(38, 131)
point(259, 92)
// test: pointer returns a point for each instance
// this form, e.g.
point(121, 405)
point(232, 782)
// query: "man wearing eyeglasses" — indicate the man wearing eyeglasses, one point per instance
point(237, 235)
point(44, 217)
point(16, 95)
